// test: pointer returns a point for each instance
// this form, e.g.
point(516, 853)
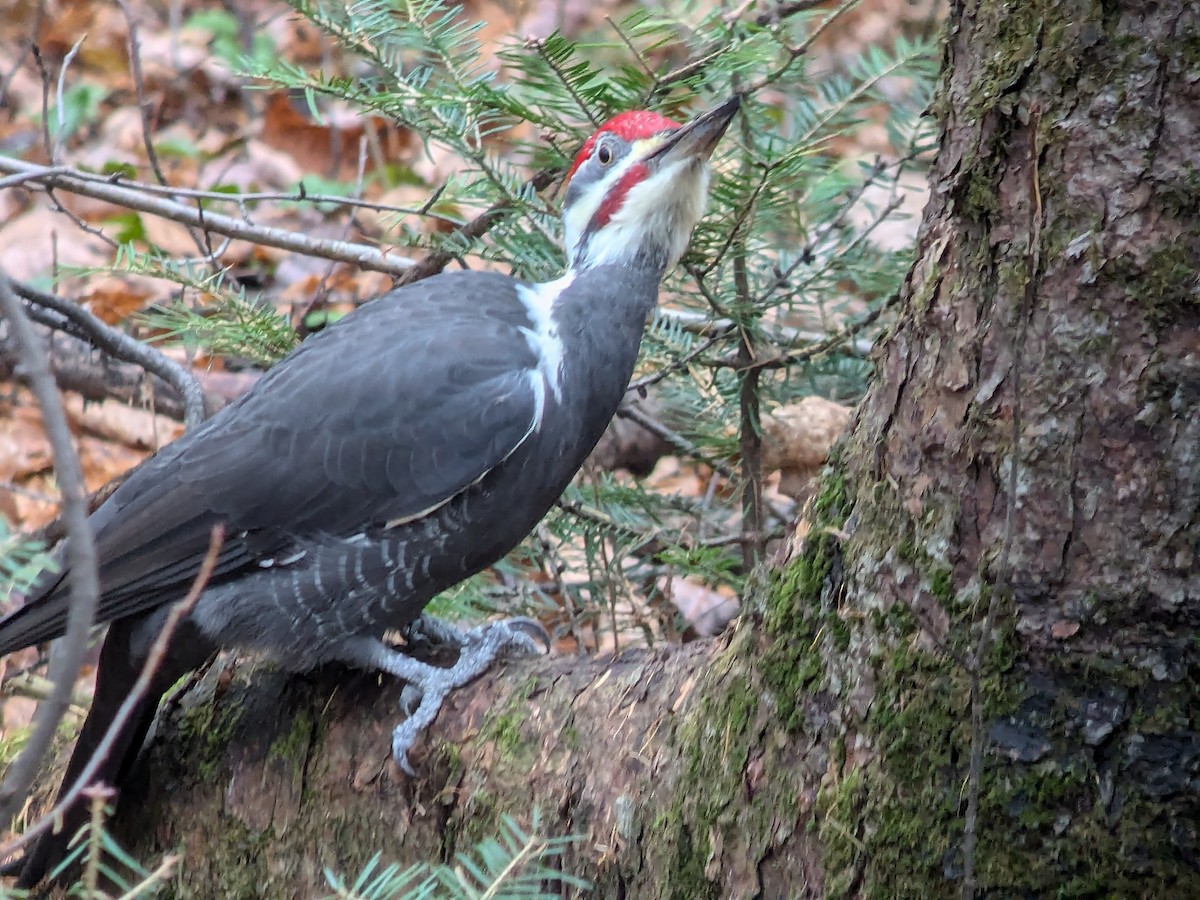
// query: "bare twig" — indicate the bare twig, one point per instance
point(674, 438)
point(790, 358)
point(81, 555)
point(44, 75)
point(139, 87)
point(357, 254)
point(122, 346)
point(15, 180)
point(699, 323)
point(151, 666)
point(61, 117)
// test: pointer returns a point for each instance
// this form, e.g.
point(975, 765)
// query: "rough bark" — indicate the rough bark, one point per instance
point(1049, 340)
point(1049, 344)
point(267, 779)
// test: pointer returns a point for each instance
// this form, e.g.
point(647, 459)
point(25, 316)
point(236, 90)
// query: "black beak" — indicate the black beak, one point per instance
point(699, 137)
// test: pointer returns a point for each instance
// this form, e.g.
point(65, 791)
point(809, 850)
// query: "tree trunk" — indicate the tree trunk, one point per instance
point(979, 671)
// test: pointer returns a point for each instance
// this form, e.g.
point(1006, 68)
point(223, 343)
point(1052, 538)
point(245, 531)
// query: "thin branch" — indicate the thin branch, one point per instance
point(78, 220)
point(776, 14)
point(149, 668)
point(357, 254)
point(15, 180)
point(720, 331)
point(44, 76)
point(139, 88)
point(61, 117)
point(300, 195)
point(122, 346)
point(81, 556)
point(828, 343)
point(699, 323)
point(203, 245)
point(677, 440)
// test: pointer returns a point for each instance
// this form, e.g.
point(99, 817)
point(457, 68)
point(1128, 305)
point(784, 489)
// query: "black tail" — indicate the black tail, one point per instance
point(116, 675)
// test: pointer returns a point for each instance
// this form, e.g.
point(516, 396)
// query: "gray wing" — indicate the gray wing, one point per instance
point(382, 417)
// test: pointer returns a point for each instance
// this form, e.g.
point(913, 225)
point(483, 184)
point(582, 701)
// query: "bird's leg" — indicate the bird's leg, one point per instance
point(428, 685)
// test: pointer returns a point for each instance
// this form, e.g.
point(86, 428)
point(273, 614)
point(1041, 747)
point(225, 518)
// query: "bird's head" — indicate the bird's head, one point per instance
point(638, 187)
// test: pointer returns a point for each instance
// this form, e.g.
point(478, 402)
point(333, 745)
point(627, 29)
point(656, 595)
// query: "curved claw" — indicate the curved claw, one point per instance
point(410, 699)
point(433, 632)
point(403, 739)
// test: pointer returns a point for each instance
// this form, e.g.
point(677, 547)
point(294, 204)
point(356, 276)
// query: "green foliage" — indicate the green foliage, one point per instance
point(514, 865)
point(226, 38)
point(80, 106)
point(228, 326)
point(22, 560)
point(106, 866)
point(226, 322)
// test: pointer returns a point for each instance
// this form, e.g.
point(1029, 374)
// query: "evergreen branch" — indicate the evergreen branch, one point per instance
point(859, 239)
point(552, 64)
point(720, 329)
point(699, 323)
point(786, 360)
point(476, 228)
point(742, 218)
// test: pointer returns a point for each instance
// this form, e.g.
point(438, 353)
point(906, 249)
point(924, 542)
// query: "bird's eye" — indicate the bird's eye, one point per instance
point(604, 155)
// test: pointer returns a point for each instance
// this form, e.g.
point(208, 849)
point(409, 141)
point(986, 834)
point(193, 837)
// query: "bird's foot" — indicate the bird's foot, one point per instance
point(429, 632)
point(479, 647)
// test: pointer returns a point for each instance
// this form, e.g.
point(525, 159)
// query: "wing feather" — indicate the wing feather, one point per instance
point(382, 417)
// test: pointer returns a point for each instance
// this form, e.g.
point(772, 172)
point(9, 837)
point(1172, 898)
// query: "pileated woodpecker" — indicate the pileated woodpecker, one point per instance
point(408, 446)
